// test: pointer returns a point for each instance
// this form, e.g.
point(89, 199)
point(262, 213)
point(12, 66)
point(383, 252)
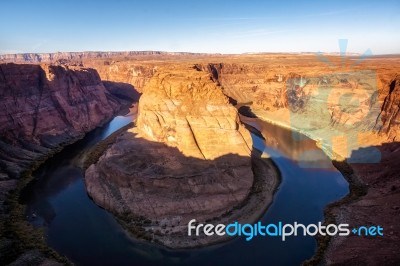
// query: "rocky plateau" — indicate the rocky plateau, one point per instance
point(190, 155)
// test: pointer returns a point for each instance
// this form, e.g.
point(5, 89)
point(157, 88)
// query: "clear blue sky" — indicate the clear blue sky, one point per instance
point(199, 26)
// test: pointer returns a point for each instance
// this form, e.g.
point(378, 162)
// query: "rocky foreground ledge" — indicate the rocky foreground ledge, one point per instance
point(188, 158)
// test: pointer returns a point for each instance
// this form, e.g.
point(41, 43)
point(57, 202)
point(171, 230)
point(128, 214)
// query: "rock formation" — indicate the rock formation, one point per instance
point(68, 57)
point(390, 114)
point(192, 113)
point(188, 158)
point(377, 203)
point(353, 113)
point(347, 109)
point(133, 73)
point(44, 107)
point(325, 103)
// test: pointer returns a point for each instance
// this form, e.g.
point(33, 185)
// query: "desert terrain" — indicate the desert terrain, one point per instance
point(190, 153)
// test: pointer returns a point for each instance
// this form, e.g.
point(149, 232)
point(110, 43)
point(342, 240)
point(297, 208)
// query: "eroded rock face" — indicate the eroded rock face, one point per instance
point(390, 114)
point(343, 107)
point(43, 107)
point(380, 206)
point(68, 57)
point(184, 108)
point(139, 154)
point(145, 178)
point(353, 112)
point(188, 158)
point(135, 74)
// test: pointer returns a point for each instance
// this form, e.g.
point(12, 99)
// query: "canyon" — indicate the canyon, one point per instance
point(350, 108)
point(195, 160)
point(190, 154)
point(44, 108)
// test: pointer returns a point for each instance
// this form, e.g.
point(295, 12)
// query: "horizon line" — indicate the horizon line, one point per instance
point(194, 53)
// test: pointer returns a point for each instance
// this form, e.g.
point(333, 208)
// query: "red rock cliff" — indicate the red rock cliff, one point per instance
point(43, 107)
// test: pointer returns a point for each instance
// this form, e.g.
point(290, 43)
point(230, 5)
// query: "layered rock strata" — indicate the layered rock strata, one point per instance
point(68, 57)
point(188, 158)
point(263, 81)
point(353, 113)
point(44, 107)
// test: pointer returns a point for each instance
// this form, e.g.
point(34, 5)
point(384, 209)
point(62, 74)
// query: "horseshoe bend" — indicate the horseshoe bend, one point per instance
point(199, 133)
point(192, 149)
point(188, 156)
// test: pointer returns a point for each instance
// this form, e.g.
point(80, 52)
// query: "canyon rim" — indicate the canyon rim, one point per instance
point(189, 153)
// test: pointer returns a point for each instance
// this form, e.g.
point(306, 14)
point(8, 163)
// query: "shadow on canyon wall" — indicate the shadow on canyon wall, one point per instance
point(373, 200)
point(286, 142)
point(158, 162)
point(45, 107)
point(374, 174)
point(163, 175)
point(246, 111)
point(122, 90)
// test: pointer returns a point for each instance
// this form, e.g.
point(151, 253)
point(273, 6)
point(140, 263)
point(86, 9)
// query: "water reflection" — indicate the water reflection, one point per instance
point(291, 144)
point(60, 172)
point(88, 235)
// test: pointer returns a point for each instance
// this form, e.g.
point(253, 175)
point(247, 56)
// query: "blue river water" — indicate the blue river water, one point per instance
point(88, 235)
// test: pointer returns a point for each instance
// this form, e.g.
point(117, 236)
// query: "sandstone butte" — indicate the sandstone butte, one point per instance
point(181, 127)
point(188, 157)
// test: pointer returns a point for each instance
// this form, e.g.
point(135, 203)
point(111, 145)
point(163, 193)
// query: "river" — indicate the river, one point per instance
point(88, 235)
